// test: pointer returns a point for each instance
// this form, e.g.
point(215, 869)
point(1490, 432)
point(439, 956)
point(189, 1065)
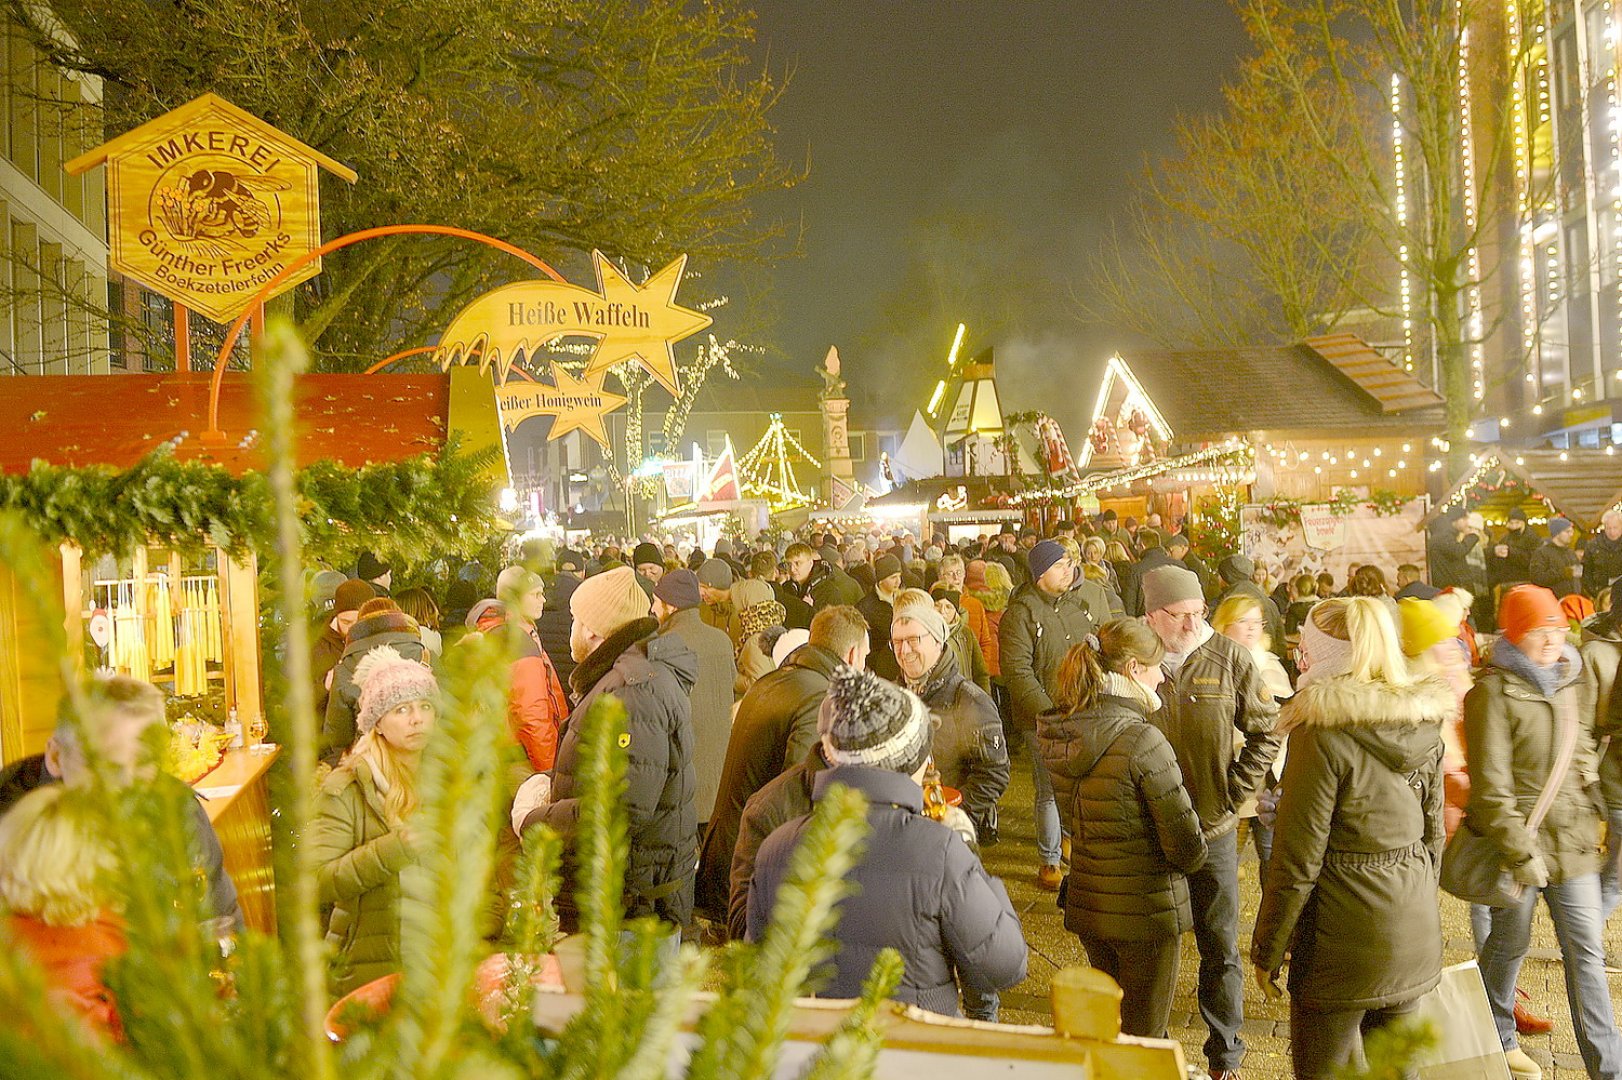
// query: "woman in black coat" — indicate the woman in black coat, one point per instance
point(1133, 831)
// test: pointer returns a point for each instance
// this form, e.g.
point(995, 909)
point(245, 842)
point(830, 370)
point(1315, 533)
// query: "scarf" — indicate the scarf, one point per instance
point(1124, 686)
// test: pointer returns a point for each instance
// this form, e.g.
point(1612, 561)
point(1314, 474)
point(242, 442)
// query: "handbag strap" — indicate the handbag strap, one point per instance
point(1566, 717)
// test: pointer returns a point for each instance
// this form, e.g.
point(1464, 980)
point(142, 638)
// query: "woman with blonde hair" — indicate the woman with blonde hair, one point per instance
point(1240, 618)
point(1351, 891)
point(1134, 831)
point(361, 837)
point(55, 883)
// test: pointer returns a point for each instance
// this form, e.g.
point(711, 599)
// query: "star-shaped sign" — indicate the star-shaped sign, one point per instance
point(577, 404)
point(643, 322)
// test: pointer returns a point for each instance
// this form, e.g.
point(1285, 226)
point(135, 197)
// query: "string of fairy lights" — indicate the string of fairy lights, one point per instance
point(1467, 160)
point(766, 469)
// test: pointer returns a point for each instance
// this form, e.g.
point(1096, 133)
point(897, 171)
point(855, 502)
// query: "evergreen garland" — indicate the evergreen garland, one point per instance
point(405, 511)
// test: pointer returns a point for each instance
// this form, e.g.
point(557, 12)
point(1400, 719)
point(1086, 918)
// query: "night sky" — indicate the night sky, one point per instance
point(964, 160)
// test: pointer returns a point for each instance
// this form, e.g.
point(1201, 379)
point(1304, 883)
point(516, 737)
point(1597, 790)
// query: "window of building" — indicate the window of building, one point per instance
point(715, 443)
point(656, 442)
point(858, 445)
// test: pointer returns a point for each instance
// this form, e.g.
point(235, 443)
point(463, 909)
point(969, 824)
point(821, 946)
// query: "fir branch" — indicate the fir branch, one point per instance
point(532, 918)
point(284, 356)
point(798, 938)
point(853, 1051)
point(444, 904)
point(658, 1033)
point(1390, 1052)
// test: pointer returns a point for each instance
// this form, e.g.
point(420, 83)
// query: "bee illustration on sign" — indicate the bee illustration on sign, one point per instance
point(209, 210)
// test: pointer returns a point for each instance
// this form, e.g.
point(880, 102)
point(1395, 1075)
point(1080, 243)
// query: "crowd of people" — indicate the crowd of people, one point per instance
point(1168, 712)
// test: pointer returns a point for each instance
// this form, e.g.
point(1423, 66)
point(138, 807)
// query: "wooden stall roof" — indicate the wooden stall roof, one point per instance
point(1345, 390)
point(1581, 483)
point(1395, 389)
point(118, 419)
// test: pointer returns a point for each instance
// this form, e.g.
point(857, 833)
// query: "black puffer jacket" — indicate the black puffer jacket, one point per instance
point(555, 622)
point(1602, 561)
point(969, 748)
point(1350, 891)
point(775, 727)
point(1556, 568)
point(652, 677)
point(1133, 831)
point(919, 890)
point(778, 803)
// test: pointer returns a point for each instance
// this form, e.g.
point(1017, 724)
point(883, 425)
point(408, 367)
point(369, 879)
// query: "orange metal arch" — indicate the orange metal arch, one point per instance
point(213, 434)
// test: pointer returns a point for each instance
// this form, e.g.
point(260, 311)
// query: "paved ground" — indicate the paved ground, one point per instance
point(1266, 1028)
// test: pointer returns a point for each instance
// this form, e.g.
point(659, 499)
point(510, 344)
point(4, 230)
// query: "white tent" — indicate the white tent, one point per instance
point(920, 455)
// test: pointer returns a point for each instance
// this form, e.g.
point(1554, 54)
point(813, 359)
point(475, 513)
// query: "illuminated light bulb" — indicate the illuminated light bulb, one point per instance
point(1610, 450)
point(1317, 468)
point(1391, 472)
point(1520, 461)
point(1537, 410)
point(1354, 474)
point(1563, 455)
point(1402, 464)
point(1406, 448)
point(1376, 453)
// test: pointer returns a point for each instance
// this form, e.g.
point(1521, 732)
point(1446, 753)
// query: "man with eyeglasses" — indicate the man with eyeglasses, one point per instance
point(1212, 687)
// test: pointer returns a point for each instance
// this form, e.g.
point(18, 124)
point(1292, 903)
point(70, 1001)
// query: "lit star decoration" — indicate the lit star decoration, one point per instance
point(578, 404)
point(656, 321)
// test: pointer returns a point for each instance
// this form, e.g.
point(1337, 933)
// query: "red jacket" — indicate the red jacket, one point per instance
point(536, 704)
point(70, 958)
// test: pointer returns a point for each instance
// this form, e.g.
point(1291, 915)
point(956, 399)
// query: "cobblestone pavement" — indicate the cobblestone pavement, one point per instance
point(1266, 1029)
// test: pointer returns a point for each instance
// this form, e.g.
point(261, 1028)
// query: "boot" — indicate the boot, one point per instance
point(1048, 878)
point(1522, 1067)
point(1526, 1021)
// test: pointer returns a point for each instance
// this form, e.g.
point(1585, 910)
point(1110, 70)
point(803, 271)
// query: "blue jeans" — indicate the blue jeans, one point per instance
point(1213, 890)
point(1610, 875)
point(1574, 907)
point(1045, 805)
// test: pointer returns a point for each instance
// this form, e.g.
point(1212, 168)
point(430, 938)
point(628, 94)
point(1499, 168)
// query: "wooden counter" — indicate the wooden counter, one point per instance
point(236, 796)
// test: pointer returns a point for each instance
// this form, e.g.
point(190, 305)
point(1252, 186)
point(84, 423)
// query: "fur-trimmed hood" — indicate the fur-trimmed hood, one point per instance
point(1345, 702)
point(1397, 724)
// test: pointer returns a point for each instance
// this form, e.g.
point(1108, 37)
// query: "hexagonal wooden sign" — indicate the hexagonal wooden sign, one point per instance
point(207, 203)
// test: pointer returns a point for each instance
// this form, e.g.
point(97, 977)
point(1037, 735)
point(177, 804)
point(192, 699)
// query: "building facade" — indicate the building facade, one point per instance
point(53, 228)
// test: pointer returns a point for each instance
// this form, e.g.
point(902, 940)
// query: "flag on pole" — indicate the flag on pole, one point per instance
point(722, 483)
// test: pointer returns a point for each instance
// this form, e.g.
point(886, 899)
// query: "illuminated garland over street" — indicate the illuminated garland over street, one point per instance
point(766, 470)
point(1233, 458)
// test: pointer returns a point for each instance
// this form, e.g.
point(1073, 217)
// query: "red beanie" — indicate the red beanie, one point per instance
point(1526, 608)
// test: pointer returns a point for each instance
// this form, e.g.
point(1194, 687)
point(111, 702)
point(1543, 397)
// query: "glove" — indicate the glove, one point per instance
point(1532, 872)
point(533, 794)
point(1267, 805)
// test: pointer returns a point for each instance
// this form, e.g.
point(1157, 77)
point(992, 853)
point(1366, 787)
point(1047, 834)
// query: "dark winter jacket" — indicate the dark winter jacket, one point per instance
point(1152, 559)
point(779, 802)
point(1602, 656)
point(969, 749)
point(879, 613)
point(712, 701)
point(1511, 729)
point(1515, 567)
point(827, 586)
point(1216, 690)
point(919, 890)
point(1036, 632)
point(324, 656)
point(1556, 568)
point(1350, 891)
point(773, 730)
point(358, 864)
point(1449, 557)
point(555, 623)
point(971, 658)
point(1602, 561)
point(652, 677)
point(395, 629)
point(796, 612)
point(207, 857)
point(1133, 831)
